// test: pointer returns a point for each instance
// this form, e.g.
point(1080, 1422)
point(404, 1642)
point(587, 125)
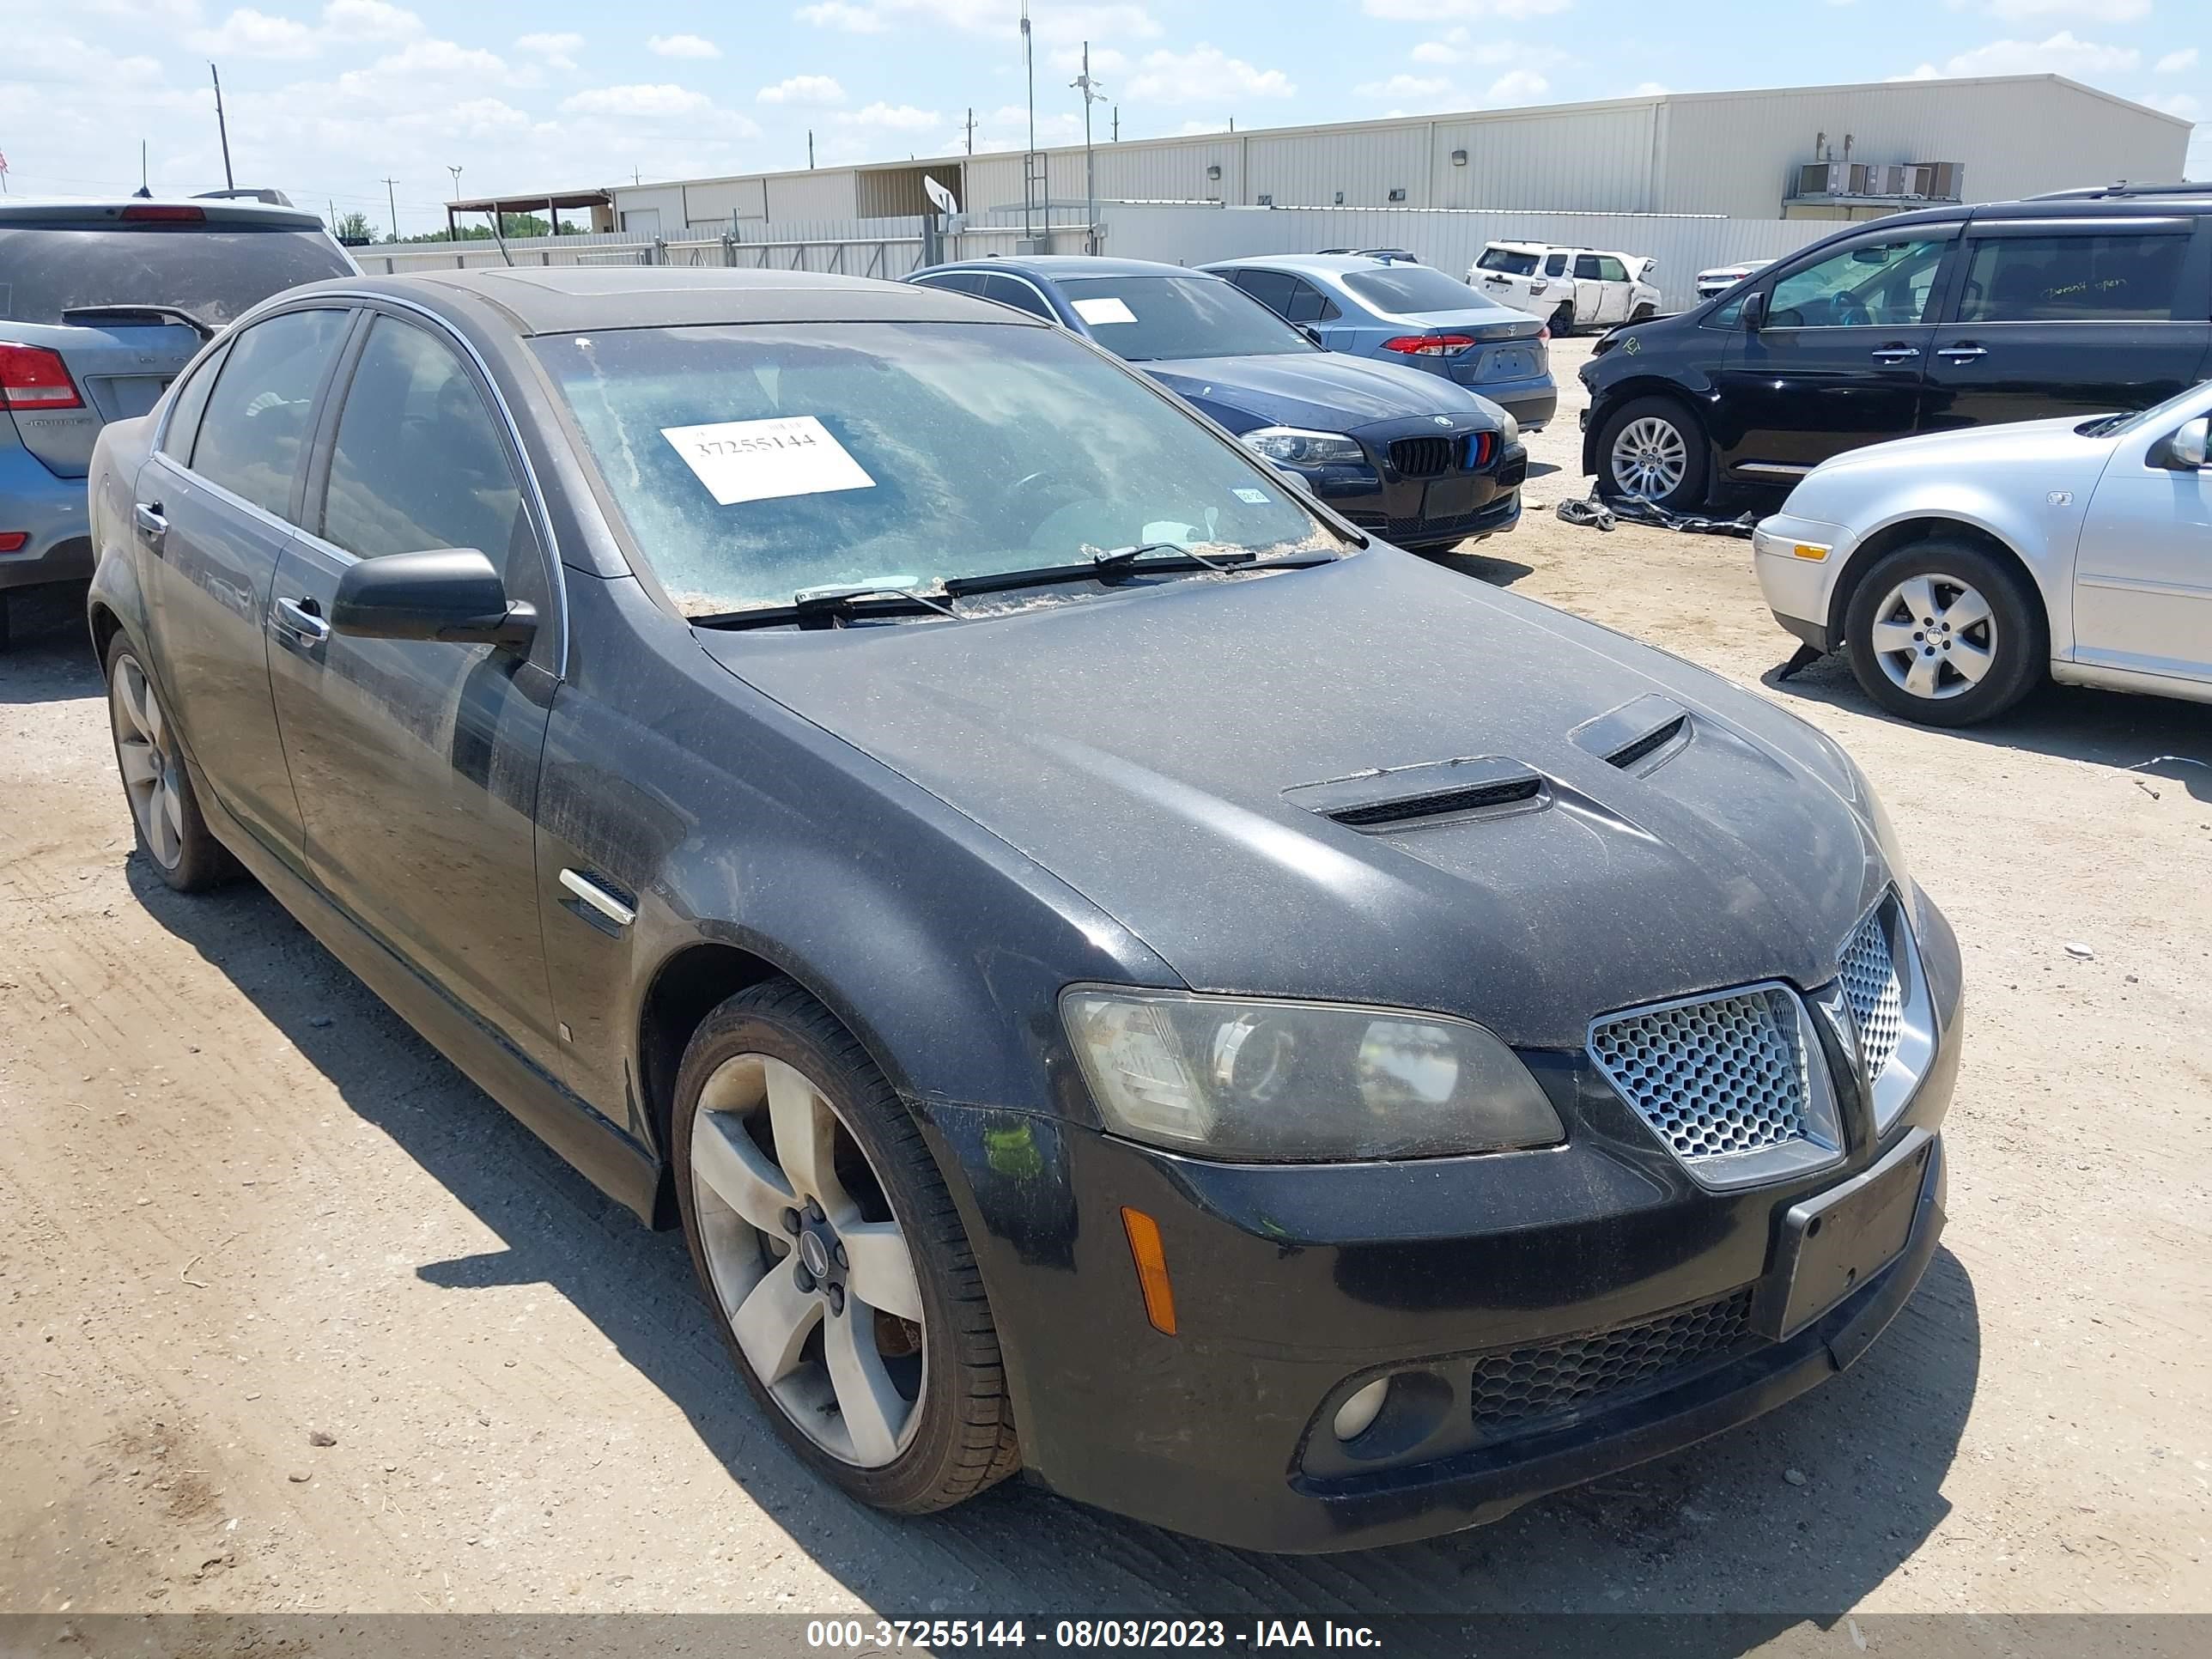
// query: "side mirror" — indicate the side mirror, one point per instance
point(2189, 449)
point(1753, 313)
point(451, 594)
point(1310, 332)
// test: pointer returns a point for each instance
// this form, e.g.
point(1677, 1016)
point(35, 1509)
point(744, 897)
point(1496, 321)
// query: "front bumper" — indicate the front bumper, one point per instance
point(1291, 1284)
point(52, 510)
point(1797, 585)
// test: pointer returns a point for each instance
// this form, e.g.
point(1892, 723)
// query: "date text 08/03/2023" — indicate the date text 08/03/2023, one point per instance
point(938, 1634)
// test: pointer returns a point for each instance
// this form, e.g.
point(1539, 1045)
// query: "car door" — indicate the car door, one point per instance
point(1590, 290)
point(1612, 288)
point(2071, 317)
point(1838, 358)
point(213, 511)
point(2142, 578)
point(416, 761)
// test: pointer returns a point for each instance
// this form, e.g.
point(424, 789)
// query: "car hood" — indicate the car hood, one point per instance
point(1139, 747)
point(2032, 442)
point(1320, 389)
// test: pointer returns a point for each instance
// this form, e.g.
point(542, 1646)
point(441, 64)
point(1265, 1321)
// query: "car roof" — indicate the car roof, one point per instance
point(1318, 265)
point(572, 299)
point(92, 211)
point(1053, 267)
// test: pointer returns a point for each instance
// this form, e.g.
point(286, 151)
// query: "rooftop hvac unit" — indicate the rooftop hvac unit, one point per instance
point(1941, 181)
point(1820, 178)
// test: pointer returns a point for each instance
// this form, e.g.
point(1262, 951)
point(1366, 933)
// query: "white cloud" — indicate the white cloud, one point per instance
point(803, 89)
point(848, 19)
point(2062, 54)
point(1110, 20)
point(1204, 74)
point(2041, 11)
point(1414, 87)
point(554, 50)
point(2176, 103)
point(900, 118)
point(1429, 11)
point(637, 100)
point(249, 33)
point(682, 46)
point(369, 19)
point(1649, 89)
point(2176, 63)
point(1458, 45)
point(1519, 86)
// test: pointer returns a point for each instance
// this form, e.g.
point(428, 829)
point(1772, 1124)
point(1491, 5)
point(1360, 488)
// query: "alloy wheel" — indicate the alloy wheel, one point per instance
point(1935, 636)
point(811, 1267)
point(146, 751)
point(1651, 458)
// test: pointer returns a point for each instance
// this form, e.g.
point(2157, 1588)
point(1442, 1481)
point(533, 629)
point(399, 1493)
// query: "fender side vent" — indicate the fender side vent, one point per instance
point(1628, 736)
point(1436, 789)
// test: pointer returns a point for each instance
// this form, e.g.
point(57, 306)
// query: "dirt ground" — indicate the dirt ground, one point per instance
point(243, 1209)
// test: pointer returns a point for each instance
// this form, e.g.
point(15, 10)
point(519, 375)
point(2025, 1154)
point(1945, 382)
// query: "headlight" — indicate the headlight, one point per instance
point(1508, 430)
point(1293, 446)
point(1227, 1078)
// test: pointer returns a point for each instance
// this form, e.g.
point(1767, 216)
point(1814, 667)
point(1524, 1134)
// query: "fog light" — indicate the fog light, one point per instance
point(1357, 1414)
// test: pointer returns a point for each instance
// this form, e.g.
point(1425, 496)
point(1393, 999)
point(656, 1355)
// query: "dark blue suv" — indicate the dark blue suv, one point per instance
point(1422, 461)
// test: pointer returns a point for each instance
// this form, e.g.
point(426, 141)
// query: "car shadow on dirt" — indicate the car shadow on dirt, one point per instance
point(1807, 1512)
point(45, 654)
point(2159, 740)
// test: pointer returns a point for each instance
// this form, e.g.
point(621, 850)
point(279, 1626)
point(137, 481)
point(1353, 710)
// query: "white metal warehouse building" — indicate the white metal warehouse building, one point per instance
point(1739, 156)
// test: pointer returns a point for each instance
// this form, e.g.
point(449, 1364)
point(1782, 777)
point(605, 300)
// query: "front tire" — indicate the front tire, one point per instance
point(165, 813)
point(1563, 323)
point(1943, 633)
point(831, 1250)
point(1652, 449)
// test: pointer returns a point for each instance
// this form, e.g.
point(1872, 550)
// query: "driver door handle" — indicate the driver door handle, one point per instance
point(146, 515)
point(1961, 354)
point(297, 617)
point(1896, 354)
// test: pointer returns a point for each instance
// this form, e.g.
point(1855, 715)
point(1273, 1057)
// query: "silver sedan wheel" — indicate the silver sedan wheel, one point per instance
point(1650, 458)
point(146, 752)
point(1935, 637)
point(807, 1260)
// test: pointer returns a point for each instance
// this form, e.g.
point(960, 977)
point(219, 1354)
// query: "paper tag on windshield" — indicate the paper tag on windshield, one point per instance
point(1257, 498)
point(1107, 310)
point(757, 460)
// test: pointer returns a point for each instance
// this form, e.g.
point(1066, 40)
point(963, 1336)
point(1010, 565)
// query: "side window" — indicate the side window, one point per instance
point(1611, 270)
point(1013, 291)
point(1869, 284)
point(1586, 268)
point(2089, 279)
point(1272, 289)
point(1555, 264)
point(186, 407)
point(1308, 303)
point(257, 419)
point(418, 462)
point(960, 282)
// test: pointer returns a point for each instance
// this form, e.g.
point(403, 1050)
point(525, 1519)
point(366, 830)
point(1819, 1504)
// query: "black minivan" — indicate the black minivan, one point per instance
point(2084, 302)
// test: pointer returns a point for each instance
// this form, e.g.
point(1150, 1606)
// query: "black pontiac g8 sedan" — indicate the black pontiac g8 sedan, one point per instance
point(1118, 975)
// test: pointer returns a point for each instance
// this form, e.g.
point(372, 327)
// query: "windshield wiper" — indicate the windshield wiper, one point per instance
point(1096, 566)
point(838, 603)
point(132, 311)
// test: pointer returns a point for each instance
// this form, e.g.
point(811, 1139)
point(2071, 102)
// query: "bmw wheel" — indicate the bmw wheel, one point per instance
point(1943, 633)
point(834, 1259)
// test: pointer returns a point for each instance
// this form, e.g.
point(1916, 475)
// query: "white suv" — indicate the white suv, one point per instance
point(1957, 570)
point(1571, 288)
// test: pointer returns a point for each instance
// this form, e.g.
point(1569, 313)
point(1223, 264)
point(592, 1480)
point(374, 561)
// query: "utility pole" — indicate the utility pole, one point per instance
point(1117, 123)
point(392, 202)
point(1091, 95)
point(971, 129)
point(1028, 162)
point(144, 189)
point(809, 150)
point(222, 129)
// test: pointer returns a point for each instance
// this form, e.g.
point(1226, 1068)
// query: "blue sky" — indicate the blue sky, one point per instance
point(328, 98)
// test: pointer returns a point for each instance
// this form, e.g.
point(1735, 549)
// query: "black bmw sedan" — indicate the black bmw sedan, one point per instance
point(1118, 975)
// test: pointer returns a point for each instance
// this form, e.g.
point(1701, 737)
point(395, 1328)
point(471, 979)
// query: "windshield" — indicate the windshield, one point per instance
point(1512, 261)
point(1418, 288)
point(213, 274)
point(1144, 319)
point(752, 462)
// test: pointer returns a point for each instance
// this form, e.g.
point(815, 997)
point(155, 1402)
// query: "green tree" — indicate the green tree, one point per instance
point(355, 228)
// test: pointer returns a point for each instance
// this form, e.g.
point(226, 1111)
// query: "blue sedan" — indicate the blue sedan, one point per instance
point(1417, 458)
point(1398, 312)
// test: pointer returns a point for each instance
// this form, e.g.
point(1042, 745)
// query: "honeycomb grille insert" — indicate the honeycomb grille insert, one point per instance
point(1513, 1389)
point(1723, 1076)
point(1875, 992)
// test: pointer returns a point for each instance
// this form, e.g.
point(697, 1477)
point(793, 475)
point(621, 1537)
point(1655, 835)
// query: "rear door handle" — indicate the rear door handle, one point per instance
point(297, 617)
point(1896, 354)
point(146, 515)
point(1961, 354)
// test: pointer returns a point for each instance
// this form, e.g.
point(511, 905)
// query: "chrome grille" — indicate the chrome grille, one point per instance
point(1724, 1075)
point(1512, 1390)
point(1877, 994)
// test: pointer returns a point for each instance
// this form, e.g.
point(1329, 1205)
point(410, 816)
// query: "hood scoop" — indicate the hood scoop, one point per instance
point(1484, 786)
point(1639, 737)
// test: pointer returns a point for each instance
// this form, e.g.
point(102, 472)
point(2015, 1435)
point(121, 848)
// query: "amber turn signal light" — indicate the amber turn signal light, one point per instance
point(1151, 1268)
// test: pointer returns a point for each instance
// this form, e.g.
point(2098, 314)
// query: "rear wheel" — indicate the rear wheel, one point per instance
point(1652, 449)
point(164, 811)
point(1943, 633)
point(1563, 322)
point(832, 1254)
